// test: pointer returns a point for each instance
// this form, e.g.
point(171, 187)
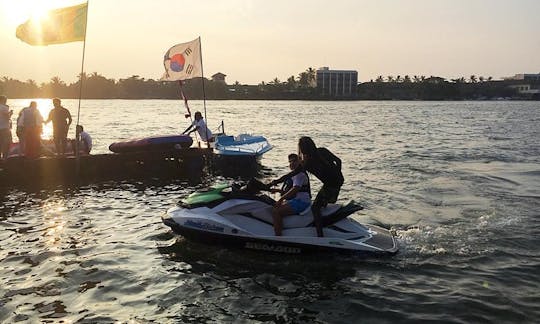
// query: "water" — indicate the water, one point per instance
point(458, 181)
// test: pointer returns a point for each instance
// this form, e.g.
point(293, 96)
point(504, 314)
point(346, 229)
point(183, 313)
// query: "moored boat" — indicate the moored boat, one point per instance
point(155, 143)
point(243, 144)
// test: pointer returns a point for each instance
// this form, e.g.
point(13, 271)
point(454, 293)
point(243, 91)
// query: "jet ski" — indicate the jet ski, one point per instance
point(229, 215)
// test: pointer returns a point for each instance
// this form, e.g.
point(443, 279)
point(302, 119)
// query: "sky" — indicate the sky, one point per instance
point(258, 40)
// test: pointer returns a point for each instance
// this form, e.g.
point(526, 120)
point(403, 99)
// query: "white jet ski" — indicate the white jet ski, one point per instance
point(227, 215)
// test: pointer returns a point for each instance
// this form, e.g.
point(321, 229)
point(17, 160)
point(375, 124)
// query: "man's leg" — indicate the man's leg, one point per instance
point(318, 203)
point(64, 145)
point(4, 148)
point(278, 212)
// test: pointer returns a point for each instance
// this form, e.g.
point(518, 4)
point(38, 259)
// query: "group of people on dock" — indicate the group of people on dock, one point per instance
point(29, 125)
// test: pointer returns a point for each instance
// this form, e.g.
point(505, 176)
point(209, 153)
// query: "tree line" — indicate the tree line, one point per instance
point(303, 86)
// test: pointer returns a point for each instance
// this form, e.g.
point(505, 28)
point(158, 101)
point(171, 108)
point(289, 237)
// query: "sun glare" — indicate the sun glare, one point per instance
point(19, 11)
point(39, 13)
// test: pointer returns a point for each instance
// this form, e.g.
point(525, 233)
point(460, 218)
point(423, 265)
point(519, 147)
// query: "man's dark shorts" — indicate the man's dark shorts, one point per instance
point(326, 195)
point(60, 134)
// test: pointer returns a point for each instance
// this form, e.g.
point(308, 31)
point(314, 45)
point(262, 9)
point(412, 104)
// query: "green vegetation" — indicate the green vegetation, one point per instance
point(301, 87)
point(435, 88)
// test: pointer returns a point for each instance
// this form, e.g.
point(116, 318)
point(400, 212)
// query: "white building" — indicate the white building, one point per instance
point(340, 83)
point(525, 77)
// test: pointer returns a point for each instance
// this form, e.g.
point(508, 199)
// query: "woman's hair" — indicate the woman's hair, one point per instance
point(306, 146)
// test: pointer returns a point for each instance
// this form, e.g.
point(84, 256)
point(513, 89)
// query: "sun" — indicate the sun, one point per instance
point(16, 12)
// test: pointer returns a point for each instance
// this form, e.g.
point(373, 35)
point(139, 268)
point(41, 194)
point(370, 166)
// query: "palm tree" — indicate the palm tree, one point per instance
point(379, 79)
point(303, 79)
point(56, 81)
point(472, 78)
point(312, 77)
point(291, 82)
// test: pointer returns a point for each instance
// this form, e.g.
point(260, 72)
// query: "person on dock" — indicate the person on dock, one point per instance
point(85, 140)
point(32, 123)
point(326, 167)
point(61, 119)
point(5, 128)
point(19, 131)
point(295, 199)
point(200, 125)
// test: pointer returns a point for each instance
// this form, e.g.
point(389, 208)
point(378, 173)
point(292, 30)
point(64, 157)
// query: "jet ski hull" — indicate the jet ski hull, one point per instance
point(240, 231)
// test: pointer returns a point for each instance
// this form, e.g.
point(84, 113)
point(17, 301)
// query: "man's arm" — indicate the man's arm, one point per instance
point(333, 158)
point(289, 194)
point(187, 129)
point(69, 117)
point(287, 176)
point(49, 118)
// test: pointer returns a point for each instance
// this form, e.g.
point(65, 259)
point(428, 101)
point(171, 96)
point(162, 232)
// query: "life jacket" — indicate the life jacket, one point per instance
point(288, 184)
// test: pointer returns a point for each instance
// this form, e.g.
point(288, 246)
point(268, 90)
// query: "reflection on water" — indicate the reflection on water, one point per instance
point(458, 181)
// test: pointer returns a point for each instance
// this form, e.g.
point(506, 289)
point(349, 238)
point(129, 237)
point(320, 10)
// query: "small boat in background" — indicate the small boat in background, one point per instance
point(156, 143)
point(241, 145)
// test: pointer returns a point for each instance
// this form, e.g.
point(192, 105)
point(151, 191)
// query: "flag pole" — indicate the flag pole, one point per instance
point(184, 98)
point(204, 94)
point(77, 153)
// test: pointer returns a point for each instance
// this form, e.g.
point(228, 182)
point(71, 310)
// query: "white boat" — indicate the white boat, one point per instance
point(241, 145)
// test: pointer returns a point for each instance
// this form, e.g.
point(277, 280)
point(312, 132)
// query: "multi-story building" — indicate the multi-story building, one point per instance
point(525, 77)
point(338, 83)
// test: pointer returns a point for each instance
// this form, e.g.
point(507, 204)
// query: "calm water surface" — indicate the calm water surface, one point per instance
point(459, 181)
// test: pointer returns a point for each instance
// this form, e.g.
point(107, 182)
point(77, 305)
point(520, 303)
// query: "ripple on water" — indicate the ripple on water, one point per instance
point(457, 181)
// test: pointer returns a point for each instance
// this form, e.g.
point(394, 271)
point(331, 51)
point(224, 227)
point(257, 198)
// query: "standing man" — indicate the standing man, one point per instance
point(32, 123)
point(5, 128)
point(61, 119)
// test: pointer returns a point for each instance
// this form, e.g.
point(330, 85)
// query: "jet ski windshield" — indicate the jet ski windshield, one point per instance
point(219, 193)
point(213, 194)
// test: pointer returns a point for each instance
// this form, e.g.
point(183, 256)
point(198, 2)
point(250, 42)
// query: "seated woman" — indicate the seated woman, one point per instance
point(294, 200)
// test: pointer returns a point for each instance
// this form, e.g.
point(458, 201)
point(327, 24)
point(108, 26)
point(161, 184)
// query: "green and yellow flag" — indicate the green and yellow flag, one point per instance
point(59, 26)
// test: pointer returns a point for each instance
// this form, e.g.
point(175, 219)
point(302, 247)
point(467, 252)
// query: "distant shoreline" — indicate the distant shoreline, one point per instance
point(96, 86)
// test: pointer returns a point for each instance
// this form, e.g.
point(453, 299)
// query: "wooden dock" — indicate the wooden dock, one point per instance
point(191, 164)
point(184, 163)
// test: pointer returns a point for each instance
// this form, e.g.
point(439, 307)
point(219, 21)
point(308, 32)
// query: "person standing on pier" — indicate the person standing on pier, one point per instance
point(5, 128)
point(61, 119)
point(32, 123)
